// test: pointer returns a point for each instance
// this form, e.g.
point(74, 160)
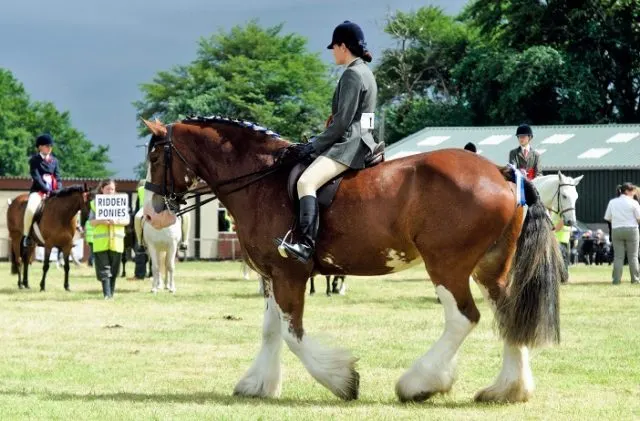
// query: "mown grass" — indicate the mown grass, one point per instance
point(75, 356)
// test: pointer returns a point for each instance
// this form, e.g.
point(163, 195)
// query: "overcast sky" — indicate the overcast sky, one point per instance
point(89, 57)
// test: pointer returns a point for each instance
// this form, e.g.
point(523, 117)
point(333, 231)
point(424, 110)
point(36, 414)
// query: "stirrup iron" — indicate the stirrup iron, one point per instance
point(281, 249)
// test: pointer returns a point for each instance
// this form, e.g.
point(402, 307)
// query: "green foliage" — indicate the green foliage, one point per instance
point(250, 73)
point(429, 44)
point(506, 62)
point(21, 121)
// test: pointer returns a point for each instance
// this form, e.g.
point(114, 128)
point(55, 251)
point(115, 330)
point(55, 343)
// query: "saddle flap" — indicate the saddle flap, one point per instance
point(325, 194)
point(37, 215)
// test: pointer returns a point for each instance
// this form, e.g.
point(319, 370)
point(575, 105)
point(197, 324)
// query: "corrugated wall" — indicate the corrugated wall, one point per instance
point(596, 189)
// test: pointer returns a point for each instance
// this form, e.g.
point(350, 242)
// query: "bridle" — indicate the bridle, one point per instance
point(558, 211)
point(173, 199)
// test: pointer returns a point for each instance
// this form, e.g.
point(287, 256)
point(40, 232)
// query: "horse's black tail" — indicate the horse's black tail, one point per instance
point(528, 313)
point(14, 263)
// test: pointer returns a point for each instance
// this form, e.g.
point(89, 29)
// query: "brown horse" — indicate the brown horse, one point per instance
point(57, 226)
point(452, 210)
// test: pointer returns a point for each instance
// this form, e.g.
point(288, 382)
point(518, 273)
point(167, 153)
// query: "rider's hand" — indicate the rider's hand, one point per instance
point(298, 151)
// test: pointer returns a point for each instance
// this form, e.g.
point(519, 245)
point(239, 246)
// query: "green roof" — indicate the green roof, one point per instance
point(615, 146)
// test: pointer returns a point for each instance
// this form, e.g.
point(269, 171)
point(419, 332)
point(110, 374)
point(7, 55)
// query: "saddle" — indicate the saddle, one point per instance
point(35, 228)
point(327, 192)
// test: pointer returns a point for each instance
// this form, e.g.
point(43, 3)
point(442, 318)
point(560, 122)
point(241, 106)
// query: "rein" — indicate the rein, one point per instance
point(173, 199)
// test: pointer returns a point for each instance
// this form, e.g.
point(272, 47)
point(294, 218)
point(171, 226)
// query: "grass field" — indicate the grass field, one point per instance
point(74, 356)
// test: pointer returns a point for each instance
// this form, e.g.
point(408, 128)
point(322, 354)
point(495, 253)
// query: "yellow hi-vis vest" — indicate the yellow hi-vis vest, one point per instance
point(140, 192)
point(564, 235)
point(88, 231)
point(107, 237)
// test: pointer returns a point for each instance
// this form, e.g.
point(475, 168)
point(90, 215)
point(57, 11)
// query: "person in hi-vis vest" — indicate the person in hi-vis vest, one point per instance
point(137, 220)
point(563, 235)
point(108, 243)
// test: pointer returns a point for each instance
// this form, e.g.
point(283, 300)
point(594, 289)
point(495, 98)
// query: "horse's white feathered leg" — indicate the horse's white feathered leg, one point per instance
point(434, 372)
point(264, 378)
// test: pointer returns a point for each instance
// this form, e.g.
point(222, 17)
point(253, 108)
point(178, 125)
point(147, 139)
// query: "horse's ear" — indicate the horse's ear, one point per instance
point(577, 180)
point(156, 127)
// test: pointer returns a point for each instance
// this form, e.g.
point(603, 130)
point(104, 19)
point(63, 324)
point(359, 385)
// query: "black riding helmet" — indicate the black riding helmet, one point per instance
point(352, 36)
point(524, 129)
point(44, 139)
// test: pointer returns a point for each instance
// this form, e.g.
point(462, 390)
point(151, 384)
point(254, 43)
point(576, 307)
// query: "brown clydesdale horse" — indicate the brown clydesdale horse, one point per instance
point(57, 225)
point(452, 210)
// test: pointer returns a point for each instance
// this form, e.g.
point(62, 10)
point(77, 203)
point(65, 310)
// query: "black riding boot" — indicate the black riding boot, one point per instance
point(308, 222)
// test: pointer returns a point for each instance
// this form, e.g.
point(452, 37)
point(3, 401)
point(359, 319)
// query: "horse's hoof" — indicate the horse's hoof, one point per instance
point(42, 289)
point(20, 286)
point(353, 388)
point(67, 289)
point(27, 287)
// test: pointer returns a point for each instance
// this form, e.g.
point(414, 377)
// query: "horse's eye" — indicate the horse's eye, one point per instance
point(153, 158)
point(564, 196)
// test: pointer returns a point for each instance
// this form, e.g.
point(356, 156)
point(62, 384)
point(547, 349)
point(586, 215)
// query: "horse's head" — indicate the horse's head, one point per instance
point(87, 196)
point(565, 199)
point(220, 151)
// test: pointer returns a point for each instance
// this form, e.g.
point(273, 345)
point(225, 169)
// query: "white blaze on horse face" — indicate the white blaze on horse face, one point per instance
point(434, 372)
point(397, 261)
point(568, 198)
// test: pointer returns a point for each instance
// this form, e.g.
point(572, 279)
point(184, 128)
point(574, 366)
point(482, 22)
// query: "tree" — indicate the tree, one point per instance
point(599, 40)
point(429, 44)
point(505, 62)
point(20, 123)
point(415, 82)
point(250, 73)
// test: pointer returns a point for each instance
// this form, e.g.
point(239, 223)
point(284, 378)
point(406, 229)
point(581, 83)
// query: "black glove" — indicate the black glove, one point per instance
point(298, 151)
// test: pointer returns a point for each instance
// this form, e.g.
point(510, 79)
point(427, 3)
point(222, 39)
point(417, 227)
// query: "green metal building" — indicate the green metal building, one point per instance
point(607, 155)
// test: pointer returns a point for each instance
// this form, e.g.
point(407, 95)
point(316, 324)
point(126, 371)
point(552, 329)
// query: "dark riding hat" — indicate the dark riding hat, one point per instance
point(44, 139)
point(471, 147)
point(524, 129)
point(349, 34)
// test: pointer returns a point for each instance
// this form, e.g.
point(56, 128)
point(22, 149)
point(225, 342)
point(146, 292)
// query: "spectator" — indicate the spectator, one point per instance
point(602, 248)
point(587, 250)
point(624, 214)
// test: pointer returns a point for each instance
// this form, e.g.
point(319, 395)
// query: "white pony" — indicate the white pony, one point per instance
point(559, 195)
point(162, 247)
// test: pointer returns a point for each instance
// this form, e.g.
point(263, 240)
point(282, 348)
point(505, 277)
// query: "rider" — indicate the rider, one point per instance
point(45, 173)
point(347, 140)
point(524, 157)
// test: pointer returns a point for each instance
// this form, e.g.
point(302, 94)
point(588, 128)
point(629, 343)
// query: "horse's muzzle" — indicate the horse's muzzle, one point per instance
point(156, 213)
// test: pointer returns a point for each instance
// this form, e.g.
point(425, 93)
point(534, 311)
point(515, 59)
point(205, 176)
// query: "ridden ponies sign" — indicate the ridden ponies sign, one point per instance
point(112, 206)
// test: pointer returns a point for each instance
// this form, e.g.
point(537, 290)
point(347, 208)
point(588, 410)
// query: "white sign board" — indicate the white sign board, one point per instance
point(112, 206)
